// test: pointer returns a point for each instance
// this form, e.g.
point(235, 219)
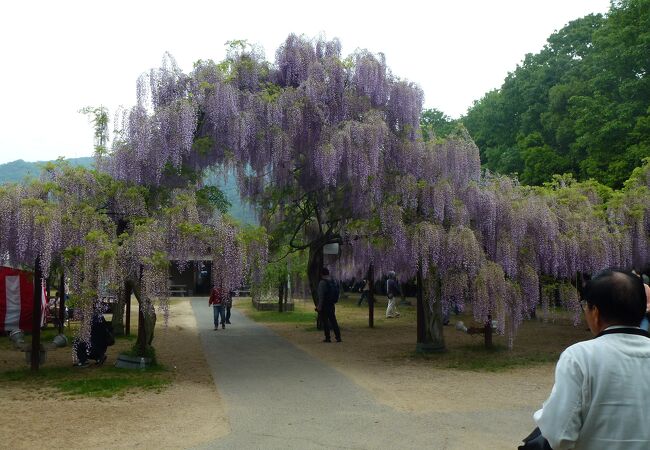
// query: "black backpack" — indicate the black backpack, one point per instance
point(331, 291)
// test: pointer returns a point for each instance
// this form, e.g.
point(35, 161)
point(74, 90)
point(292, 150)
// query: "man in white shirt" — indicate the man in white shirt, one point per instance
point(601, 396)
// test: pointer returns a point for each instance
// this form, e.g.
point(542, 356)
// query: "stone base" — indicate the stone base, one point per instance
point(422, 347)
point(42, 356)
point(271, 306)
point(60, 340)
point(132, 362)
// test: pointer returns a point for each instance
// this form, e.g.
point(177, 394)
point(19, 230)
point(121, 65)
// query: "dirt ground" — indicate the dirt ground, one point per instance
point(174, 417)
point(406, 383)
point(380, 360)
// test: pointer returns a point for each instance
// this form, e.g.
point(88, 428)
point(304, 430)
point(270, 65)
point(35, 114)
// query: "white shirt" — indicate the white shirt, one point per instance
point(601, 396)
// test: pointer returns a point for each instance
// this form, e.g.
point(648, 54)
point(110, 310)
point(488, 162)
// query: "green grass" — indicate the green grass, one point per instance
point(92, 381)
point(150, 352)
point(46, 337)
point(537, 342)
point(477, 358)
point(297, 317)
point(107, 387)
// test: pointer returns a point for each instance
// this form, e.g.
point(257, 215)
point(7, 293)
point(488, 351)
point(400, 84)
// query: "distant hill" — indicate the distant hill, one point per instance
point(19, 171)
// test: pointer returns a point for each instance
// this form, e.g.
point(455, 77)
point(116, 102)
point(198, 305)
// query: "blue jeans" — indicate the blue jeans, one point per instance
point(645, 323)
point(219, 312)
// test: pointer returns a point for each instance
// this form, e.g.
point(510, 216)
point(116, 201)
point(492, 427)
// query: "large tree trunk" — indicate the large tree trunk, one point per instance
point(314, 267)
point(123, 296)
point(429, 317)
point(147, 322)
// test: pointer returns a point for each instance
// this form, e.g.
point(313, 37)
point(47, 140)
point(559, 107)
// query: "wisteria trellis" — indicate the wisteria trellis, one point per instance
point(341, 135)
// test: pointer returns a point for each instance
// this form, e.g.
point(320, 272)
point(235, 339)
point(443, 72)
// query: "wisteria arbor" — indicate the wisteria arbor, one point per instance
point(112, 236)
point(310, 137)
point(330, 149)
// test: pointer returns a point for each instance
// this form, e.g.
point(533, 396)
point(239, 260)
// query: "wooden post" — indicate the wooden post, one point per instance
point(371, 297)
point(142, 336)
point(127, 321)
point(488, 332)
point(61, 300)
point(421, 329)
point(36, 316)
point(286, 292)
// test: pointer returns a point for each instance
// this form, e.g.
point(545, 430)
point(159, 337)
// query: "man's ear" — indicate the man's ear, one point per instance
point(598, 321)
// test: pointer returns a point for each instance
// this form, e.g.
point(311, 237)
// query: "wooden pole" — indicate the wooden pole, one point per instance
point(371, 296)
point(61, 300)
point(286, 292)
point(488, 332)
point(142, 337)
point(421, 333)
point(127, 321)
point(36, 316)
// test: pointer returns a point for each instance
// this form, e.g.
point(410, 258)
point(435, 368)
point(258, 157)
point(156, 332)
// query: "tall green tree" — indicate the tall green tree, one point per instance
point(580, 105)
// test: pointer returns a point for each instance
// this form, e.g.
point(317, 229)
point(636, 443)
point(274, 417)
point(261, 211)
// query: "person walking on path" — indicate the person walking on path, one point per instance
point(228, 306)
point(602, 387)
point(392, 291)
point(217, 301)
point(328, 295)
point(365, 290)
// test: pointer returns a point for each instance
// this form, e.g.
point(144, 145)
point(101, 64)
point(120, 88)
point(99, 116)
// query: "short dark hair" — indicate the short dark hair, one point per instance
point(619, 296)
point(324, 271)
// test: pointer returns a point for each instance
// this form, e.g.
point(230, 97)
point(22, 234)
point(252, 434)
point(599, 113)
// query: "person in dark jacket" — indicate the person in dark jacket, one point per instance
point(101, 337)
point(328, 293)
point(365, 292)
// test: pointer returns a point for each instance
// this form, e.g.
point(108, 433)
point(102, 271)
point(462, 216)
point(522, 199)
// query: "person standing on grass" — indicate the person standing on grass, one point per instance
point(217, 302)
point(365, 292)
point(602, 386)
point(392, 291)
point(328, 295)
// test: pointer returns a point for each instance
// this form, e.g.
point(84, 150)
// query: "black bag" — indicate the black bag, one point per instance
point(332, 291)
point(535, 441)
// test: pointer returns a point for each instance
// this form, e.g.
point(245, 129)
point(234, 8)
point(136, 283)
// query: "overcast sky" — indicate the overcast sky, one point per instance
point(59, 56)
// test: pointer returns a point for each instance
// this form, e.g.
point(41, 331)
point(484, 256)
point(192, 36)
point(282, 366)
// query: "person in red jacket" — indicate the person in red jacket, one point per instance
point(217, 301)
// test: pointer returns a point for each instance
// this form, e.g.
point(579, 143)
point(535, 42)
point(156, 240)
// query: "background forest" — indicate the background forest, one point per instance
point(581, 105)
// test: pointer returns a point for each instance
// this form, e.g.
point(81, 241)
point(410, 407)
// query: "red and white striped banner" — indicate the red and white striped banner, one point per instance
point(17, 298)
